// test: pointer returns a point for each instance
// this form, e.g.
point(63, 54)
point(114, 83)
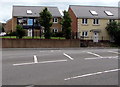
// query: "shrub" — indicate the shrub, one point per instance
point(20, 32)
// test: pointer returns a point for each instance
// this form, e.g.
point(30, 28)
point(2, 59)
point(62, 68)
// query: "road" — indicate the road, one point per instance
point(60, 66)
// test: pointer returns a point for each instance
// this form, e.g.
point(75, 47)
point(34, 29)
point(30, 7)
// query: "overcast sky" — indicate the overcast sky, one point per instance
point(6, 5)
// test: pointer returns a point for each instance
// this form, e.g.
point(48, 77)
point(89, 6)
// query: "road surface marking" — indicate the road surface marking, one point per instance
point(109, 57)
point(113, 52)
point(30, 86)
point(43, 51)
point(91, 74)
point(68, 56)
point(51, 51)
point(54, 61)
point(94, 54)
point(35, 59)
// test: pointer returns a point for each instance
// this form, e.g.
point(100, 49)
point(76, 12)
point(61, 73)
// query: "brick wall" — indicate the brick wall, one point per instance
point(74, 20)
point(57, 25)
point(37, 43)
point(8, 26)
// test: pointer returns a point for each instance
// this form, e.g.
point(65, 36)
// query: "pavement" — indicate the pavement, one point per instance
point(60, 66)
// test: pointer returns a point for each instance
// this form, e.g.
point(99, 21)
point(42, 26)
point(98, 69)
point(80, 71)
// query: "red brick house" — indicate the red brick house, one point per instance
point(27, 17)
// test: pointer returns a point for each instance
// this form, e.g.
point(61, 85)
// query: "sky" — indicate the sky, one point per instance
point(6, 5)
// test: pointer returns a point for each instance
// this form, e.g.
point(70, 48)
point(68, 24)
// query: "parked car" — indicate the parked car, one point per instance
point(2, 34)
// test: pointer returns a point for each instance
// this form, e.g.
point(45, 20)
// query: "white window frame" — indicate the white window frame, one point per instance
point(108, 13)
point(94, 13)
point(84, 21)
point(30, 32)
point(111, 20)
point(55, 30)
point(84, 33)
point(29, 12)
point(55, 20)
point(96, 22)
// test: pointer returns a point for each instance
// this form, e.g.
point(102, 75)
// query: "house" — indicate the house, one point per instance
point(89, 22)
point(28, 16)
point(8, 26)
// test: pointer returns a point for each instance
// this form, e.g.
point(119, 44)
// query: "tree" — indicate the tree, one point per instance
point(3, 30)
point(45, 21)
point(113, 29)
point(20, 32)
point(0, 27)
point(66, 25)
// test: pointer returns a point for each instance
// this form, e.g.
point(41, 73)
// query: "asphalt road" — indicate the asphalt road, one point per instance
point(60, 66)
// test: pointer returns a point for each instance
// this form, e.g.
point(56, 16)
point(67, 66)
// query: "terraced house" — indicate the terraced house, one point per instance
point(89, 22)
point(28, 16)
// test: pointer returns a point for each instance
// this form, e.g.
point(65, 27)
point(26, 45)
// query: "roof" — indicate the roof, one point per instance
point(21, 11)
point(84, 11)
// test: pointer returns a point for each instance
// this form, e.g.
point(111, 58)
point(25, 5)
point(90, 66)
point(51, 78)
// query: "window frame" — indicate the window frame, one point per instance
point(84, 33)
point(108, 13)
point(84, 21)
point(111, 20)
point(94, 13)
point(96, 22)
point(55, 20)
point(54, 30)
point(29, 12)
point(30, 22)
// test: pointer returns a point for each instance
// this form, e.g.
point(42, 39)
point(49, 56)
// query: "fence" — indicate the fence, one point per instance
point(39, 43)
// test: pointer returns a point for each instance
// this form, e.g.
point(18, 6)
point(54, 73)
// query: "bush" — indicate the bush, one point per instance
point(113, 29)
point(20, 32)
point(11, 34)
point(57, 34)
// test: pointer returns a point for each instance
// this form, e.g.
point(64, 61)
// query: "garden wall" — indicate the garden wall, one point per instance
point(39, 43)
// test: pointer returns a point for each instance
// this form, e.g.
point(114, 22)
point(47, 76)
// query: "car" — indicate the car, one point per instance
point(2, 34)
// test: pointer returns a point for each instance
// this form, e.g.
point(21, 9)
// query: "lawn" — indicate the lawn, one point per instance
point(36, 37)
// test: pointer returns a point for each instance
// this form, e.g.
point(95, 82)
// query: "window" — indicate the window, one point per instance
point(19, 21)
point(84, 21)
point(108, 13)
point(24, 21)
point(85, 33)
point(94, 13)
point(55, 20)
point(111, 20)
point(96, 21)
point(29, 12)
point(55, 30)
point(30, 22)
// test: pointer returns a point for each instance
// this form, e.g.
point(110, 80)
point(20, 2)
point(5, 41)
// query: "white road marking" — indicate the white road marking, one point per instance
point(54, 61)
point(43, 51)
point(109, 57)
point(95, 54)
point(51, 51)
point(113, 52)
point(19, 64)
point(35, 59)
point(68, 56)
point(91, 74)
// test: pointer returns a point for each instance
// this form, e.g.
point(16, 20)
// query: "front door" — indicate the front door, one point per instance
point(30, 32)
point(95, 37)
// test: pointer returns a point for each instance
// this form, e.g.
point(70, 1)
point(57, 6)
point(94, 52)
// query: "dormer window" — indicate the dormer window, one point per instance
point(29, 12)
point(108, 13)
point(94, 13)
